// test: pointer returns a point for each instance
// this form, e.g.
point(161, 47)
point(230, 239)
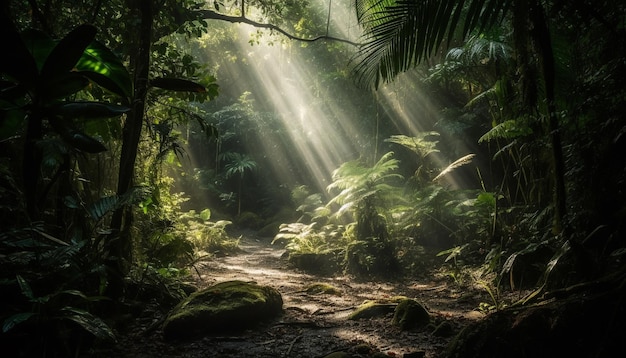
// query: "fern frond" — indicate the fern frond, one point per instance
point(457, 163)
point(508, 129)
point(419, 144)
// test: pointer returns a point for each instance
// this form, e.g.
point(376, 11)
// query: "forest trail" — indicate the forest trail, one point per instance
point(314, 325)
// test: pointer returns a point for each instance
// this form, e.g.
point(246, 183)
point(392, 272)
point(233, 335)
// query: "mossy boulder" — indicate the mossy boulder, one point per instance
point(371, 309)
point(410, 314)
point(321, 288)
point(231, 306)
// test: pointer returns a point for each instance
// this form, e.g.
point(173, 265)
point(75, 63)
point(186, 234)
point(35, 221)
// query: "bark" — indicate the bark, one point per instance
point(531, 34)
point(541, 36)
point(120, 254)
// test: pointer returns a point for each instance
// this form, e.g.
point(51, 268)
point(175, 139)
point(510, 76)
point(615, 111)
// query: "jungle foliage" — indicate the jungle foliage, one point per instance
point(516, 182)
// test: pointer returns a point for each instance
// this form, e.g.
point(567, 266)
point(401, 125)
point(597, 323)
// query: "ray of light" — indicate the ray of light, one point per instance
point(319, 130)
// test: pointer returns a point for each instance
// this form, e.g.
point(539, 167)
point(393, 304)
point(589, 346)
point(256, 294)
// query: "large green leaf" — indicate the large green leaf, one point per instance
point(89, 110)
point(16, 319)
point(103, 67)
point(68, 51)
point(83, 142)
point(89, 322)
point(74, 137)
point(39, 44)
point(104, 205)
point(61, 86)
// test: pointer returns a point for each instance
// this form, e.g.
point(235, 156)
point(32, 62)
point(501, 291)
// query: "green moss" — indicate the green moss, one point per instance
point(410, 314)
point(369, 309)
point(227, 306)
point(322, 288)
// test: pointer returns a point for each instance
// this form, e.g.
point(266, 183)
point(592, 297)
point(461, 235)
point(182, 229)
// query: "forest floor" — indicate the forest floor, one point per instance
point(313, 325)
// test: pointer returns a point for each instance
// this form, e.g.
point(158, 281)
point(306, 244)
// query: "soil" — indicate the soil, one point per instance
point(312, 325)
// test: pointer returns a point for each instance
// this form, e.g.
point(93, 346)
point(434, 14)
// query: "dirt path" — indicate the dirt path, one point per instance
point(314, 325)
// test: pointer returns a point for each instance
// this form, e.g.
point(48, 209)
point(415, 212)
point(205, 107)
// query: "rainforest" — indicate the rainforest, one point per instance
point(312, 178)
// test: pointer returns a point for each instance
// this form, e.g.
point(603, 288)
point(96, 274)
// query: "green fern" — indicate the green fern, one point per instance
point(509, 129)
point(419, 144)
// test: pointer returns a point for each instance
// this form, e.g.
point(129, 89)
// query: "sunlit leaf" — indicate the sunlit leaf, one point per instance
point(205, 214)
point(104, 68)
point(456, 164)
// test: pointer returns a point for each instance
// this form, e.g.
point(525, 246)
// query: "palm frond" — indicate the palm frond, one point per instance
point(399, 34)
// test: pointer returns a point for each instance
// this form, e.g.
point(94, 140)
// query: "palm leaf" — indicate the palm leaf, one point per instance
point(399, 34)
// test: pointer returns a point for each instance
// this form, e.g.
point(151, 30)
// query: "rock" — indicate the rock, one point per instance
point(410, 314)
point(230, 306)
point(370, 309)
point(322, 288)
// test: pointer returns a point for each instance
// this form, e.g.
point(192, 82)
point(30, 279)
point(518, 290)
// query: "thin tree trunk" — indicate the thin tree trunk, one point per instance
point(541, 36)
point(121, 247)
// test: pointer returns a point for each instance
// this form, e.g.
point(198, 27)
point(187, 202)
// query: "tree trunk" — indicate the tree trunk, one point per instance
point(121, 246)
point(531, 33)
point(541, 36)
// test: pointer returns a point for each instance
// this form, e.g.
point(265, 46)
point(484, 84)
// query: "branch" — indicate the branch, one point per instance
point(210, 14)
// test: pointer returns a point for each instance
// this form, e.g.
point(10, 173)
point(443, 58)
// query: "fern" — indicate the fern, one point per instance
point(418, 144)
point(509, 129)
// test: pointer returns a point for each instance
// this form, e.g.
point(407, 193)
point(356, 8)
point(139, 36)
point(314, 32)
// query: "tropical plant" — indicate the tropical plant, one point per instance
point(423, 146)
point(238, 164)
point(364, 193)
point(42, 77)
point(401, 34)
point(208, 236)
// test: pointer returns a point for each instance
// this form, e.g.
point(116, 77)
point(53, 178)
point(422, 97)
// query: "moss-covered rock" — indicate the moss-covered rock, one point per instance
point(321, 288)
point(370, 309)
point(410, 314)
point(230, 306)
